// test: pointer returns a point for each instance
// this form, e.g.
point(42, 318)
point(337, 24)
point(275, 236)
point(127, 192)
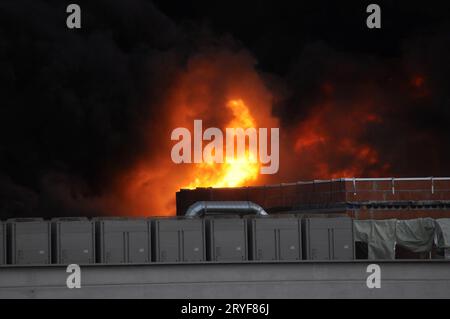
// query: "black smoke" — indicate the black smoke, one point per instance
point(409, 92)
point(75, 104)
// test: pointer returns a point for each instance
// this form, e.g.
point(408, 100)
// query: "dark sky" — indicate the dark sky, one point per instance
point(75, 103)
point(277, 31)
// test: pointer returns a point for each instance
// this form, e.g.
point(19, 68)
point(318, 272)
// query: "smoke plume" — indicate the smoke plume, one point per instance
point(86, 115)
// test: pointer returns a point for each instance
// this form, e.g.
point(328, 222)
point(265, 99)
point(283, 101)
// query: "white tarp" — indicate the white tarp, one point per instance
point(416, 235)
point(381, 236)
point(443, 232)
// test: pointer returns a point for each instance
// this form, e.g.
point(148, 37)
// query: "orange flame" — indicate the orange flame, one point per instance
point(222, 89)
point(235, 171)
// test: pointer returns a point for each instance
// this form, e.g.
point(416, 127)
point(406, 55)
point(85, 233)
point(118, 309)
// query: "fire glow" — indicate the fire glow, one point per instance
point(224, 90)
point(237, 169)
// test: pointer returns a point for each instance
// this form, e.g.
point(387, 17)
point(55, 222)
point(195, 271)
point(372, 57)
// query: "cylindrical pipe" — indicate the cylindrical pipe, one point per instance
point(202, 207)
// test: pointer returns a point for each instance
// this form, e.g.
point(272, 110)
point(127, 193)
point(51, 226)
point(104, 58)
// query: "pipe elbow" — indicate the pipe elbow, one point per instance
point(201, 207)
point(195, 209)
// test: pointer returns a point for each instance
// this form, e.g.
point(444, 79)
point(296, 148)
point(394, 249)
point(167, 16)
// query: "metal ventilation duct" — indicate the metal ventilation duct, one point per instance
point(203, 207)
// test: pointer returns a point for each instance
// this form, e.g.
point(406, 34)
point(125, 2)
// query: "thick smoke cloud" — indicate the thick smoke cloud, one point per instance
point(73, 103)
point(353, 114)
point(79, 108)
